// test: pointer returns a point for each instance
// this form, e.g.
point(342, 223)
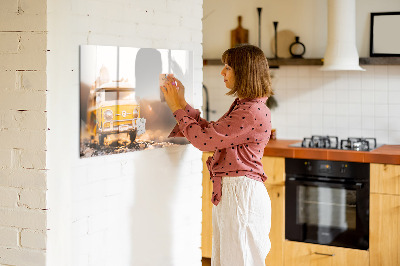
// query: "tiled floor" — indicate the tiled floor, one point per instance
point(206, 261)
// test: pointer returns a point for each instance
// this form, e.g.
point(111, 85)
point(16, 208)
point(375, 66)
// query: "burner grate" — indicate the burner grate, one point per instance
point(358, 144)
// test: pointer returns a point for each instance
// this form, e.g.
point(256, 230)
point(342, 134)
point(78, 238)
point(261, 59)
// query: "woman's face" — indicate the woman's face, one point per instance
point(229, 76)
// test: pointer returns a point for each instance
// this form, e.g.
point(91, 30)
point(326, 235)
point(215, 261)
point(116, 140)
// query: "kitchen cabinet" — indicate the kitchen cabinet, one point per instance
point(305, 254)
point(274, 168)
point(385, 214)
point(385, 178)
point(206, 226)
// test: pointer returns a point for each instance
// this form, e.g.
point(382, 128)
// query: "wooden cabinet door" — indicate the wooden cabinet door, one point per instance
point(274, 168)
point(384, 236)
point(206, 232)
point(277, 233)
point(385, 178)
point(304, 254)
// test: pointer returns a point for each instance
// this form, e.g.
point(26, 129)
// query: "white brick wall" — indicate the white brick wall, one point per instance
point(142, 208)
point(23, 132)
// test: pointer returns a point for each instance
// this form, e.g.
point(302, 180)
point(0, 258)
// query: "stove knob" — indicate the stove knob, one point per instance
point(343, 168)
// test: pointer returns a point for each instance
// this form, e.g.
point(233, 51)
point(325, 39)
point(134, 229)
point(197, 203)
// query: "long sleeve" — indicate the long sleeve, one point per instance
point(229, 131)
point(193, 113)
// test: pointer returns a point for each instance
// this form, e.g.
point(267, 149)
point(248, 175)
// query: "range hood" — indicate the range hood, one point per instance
point(341, 51)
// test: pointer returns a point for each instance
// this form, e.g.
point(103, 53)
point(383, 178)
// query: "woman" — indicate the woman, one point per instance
point(242, 208)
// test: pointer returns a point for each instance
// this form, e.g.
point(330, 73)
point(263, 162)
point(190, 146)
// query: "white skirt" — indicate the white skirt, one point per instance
point(241, 223)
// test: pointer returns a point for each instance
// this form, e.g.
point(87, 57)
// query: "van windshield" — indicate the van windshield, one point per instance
point(115, 96)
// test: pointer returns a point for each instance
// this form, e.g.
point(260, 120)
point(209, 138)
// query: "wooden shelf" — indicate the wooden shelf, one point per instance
point(380, 61)
point(274, 63)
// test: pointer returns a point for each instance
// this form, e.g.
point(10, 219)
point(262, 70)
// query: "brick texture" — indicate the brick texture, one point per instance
point(23, 125)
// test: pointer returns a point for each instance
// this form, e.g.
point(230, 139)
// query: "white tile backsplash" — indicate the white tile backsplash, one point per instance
point(343, 103)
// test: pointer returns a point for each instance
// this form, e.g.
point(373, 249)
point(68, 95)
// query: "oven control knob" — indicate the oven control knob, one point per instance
point(308, 166)
point(343, 168)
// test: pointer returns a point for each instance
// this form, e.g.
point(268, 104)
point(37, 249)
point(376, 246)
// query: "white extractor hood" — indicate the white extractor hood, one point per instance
point(341, 51)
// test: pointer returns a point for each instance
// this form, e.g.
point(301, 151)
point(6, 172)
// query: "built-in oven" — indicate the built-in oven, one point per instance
point(327, 202)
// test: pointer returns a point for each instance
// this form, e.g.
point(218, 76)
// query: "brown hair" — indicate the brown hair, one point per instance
point(250, 66)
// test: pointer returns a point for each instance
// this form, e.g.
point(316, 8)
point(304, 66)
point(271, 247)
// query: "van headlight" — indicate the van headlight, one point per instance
point(108, 115)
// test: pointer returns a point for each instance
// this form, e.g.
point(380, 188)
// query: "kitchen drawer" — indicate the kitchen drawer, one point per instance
point(385, 178)
point(305, 254)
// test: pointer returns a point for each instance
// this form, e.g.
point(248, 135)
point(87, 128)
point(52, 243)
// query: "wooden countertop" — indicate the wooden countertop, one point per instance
point(389, 154)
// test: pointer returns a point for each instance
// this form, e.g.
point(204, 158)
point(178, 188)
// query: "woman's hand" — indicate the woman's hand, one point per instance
point(181, 91)
point(171, 95)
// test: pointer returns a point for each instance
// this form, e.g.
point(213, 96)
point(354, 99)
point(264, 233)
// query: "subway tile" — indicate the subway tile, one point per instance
point(367, 96)
point(394, 83)
point(342, 81)
point(368, 122)
point(355, 122)
point(380, 71)
point(394, 97)
point(292, 82)
point(329, 109)
point(367, 110)
point(329, 121)
point(381, 84)
point(394, 123)
point(355, 109)
point(303, 82)
point(317, 107)
point(329, 94)
point(342, 96)
point(355, 96)
point(304, 72)
point(394, 110)
point(342, 109)
point(354, 83)
point(381, 110)
point(394, 137)
point(367, 133)
point(394, 70)
point(381, 123)
point(316, 72)
point(291, 71)
point(382, 136)
point(380, 97)
point(355, 132)
point(342, 122)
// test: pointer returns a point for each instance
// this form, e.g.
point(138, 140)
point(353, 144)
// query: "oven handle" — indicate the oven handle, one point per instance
point(357, 185)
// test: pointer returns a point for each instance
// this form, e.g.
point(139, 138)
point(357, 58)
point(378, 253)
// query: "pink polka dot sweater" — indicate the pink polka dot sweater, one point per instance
point(238, 139)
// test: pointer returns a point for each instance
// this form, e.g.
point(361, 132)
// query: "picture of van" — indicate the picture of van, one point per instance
point(113, 109)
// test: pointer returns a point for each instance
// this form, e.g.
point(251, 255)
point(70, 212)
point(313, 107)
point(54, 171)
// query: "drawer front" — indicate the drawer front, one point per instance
point(385, 178)
point(297, 253)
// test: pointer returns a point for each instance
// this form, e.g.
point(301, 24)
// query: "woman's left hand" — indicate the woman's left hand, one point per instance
point(171, 96)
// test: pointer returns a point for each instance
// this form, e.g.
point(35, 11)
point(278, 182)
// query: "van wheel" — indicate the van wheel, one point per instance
point(132, 136)
point(101, 139)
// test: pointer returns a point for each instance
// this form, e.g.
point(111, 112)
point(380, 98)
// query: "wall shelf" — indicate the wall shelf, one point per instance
point(274, 63)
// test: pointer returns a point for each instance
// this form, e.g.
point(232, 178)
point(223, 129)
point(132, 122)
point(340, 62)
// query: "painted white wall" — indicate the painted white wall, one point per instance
point(311, 102)
point(141, 208)
point(23, 133)
point(306, 18)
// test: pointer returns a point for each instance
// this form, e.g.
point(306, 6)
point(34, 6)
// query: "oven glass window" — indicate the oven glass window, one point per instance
point(326, 207)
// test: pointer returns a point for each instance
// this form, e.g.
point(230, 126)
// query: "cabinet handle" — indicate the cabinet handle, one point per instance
point(324, 254)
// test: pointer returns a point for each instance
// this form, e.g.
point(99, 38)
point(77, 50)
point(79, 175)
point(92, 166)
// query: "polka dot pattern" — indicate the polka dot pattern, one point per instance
point(238, 139)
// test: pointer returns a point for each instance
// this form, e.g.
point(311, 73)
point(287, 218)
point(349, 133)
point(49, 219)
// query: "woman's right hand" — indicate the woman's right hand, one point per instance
point(181, 91)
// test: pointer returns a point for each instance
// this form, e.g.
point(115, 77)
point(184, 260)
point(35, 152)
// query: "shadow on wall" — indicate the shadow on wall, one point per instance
point(155, 201)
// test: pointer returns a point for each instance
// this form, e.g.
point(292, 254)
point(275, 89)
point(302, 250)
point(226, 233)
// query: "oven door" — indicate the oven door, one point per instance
point(327, 213)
